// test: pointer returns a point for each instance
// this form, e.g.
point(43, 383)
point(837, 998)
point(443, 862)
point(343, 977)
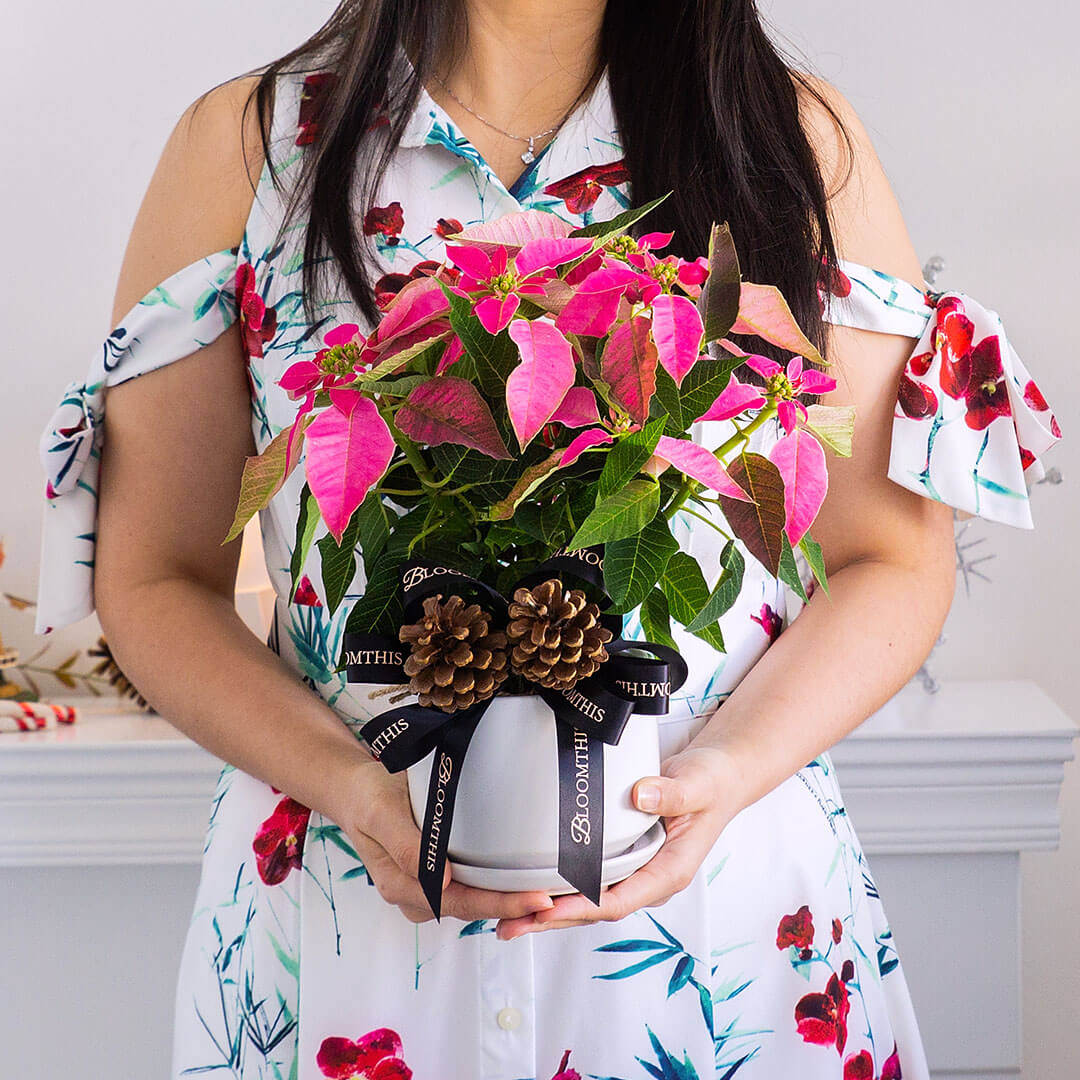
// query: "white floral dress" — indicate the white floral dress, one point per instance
point(777, 960)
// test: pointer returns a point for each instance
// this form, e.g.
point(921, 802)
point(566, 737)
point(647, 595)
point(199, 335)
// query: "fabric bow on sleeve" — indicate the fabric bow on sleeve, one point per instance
point(969, 423)
point(181, 315)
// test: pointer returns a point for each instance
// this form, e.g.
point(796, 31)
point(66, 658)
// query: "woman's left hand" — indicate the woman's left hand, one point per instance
point(697, 795)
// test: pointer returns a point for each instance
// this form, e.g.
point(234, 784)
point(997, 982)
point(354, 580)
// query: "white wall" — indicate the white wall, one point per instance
point(973, 115)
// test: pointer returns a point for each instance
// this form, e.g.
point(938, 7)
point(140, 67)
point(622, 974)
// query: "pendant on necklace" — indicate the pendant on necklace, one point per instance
point(529, 157)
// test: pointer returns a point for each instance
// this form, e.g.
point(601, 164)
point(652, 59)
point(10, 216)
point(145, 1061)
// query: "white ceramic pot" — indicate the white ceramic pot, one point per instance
point(507, 809)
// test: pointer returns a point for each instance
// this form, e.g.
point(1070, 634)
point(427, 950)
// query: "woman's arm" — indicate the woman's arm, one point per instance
point(176, 440)
point(891, 565)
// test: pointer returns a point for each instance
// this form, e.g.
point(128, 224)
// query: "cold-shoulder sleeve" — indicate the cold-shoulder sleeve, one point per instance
point(969, 424)
point(185, 312)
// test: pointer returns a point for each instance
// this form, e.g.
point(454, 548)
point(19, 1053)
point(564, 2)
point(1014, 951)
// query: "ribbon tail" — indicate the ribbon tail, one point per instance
point(442, 793)
point(581, 809)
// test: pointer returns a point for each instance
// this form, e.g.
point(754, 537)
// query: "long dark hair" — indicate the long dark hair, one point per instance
point(705, 105)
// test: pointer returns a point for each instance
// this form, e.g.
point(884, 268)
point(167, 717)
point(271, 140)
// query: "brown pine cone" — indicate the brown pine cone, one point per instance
point(455, 660)
point(556, 635)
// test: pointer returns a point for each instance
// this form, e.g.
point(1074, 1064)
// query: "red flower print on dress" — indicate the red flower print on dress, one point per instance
point(374, 1056)
point(258, 323)
point(388, 220)
point(860, 1066)
point(564, 1072)
point(796, 930)
point(769, 621)
point(835, 282)
point(279, 843)
point(445, 227)
point(580, 190)
point(306, 594)
point(916, 399)
point(389, 285)
point(1033, 396)
point(313, 99)
point(822, 1018)
point(837, 931)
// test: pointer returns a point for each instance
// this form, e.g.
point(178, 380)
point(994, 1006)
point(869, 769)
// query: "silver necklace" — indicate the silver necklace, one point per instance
point(527, 156)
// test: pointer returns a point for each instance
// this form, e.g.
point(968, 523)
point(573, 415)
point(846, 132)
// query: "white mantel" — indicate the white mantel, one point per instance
point(945, 791)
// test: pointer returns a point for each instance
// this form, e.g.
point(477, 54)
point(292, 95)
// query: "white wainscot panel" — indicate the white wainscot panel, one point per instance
point(103, 826)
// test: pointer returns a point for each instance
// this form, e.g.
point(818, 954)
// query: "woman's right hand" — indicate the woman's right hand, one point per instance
point(376, 814)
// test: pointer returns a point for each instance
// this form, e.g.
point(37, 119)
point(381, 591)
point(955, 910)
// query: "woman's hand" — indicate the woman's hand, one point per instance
point(377, 817)
point(697, 794)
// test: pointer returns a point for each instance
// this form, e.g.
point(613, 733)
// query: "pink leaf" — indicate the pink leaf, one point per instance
point(764, 311)
point(342, 335)
point(419, 302)
point(678, 332)
point(449, 409)
point(548, 252)
point(801, 462)
point(578, 408)
point(585, 441)
point(735, 398)
point(762, 365)
point(593, 307)
point(514, 230)
point(816, 382)
point(628, 366)
point(348, 449)
point(495, 312)
point(700, 464)
point(537, 386)
point(453, 352)
point(474, 261)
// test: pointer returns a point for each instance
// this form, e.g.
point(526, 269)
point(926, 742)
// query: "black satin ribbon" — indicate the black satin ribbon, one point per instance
point(594, 712)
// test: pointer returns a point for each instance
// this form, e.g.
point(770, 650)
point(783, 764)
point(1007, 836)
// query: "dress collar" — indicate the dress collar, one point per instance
point(588, 137)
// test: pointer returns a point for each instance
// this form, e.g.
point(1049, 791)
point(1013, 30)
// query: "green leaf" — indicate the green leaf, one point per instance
point(306, 521)
point(262, 478)
point(760, 524)
point(719, 300)
point(703, 384)
point(811, 549)
point(379, 610)
point(726, 591)
point(834, 425)
point(374, 529)
point(669, 396)
point(624, 513)
point(788, 572)
point(395, 387)
point(617, 225)
point(656, 619)
point(339, 563)
point(684, 587)
point(494, 355)
point(623, 462)
point(633, 565)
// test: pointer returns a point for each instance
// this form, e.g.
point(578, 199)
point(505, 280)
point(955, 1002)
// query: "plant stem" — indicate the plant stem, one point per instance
point(690, 486)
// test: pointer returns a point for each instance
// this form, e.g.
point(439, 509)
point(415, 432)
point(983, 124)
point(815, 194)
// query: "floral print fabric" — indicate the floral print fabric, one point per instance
point(776, 960)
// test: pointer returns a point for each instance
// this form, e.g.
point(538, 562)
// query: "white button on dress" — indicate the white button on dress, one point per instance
point(509, 1019)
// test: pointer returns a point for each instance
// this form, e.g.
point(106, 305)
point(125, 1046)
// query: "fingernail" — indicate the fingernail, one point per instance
point(648, 797)
point(543, 905)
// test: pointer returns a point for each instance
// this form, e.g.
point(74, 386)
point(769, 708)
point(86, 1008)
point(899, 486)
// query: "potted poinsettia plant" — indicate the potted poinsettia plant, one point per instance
point(505, 454)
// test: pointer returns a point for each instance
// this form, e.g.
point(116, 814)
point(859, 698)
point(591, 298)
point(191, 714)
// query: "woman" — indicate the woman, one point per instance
point(753, 942)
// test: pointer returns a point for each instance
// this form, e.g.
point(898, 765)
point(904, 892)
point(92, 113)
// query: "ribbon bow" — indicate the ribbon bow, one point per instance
point(593, 712)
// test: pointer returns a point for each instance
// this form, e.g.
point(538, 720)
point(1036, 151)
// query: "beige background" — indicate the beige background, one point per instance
point(972, 112)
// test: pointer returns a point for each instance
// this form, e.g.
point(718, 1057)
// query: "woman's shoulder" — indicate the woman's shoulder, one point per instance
point(867, 223)
point(200, 194)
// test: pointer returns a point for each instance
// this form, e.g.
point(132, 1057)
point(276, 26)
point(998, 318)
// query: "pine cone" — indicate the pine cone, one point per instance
point(455, 660)
point(109, 668)
point(556, 635)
